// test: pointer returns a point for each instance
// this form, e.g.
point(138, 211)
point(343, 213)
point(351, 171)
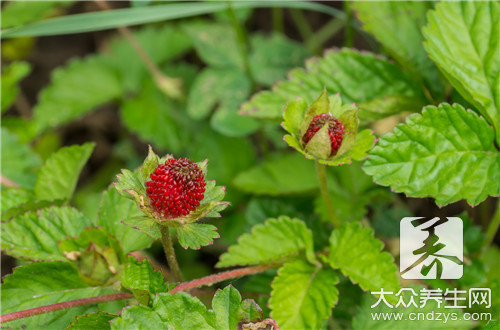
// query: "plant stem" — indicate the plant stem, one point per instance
point(349, 39)
point(323, 186)
point(64, 305)
point(168, 247)
point(492, 228)
point(215, 278)
point(242, 44)
point(170, 86)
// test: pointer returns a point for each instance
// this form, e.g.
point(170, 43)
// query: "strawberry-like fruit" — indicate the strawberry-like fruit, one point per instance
point(176, 188)
point(335, 131)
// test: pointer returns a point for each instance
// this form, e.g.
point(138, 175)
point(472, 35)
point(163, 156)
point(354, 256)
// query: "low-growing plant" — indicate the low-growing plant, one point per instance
point(310, 235)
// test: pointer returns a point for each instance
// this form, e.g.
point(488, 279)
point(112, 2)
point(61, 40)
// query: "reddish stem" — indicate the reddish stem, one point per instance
point(64, 305)
point(215, 278)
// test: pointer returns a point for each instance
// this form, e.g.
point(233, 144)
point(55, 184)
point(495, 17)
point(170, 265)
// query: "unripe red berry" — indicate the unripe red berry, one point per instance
point(335, 130)
point(176, 188)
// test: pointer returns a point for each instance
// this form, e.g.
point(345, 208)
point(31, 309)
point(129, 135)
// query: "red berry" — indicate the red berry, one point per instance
point(335, 130)
point(176, 188)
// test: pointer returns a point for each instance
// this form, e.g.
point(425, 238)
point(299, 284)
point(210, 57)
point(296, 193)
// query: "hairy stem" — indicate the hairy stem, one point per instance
point(492, 228)
point(323, 186)
point(64, 305)
point(168, 247)
point(171, 86)
point(242, 43)
point(215, 278)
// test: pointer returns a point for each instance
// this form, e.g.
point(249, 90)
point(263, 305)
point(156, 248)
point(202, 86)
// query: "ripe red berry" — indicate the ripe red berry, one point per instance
point(335, 130)
point(176, 188)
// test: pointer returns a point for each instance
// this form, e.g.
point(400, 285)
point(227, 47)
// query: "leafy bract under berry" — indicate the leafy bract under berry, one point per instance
point(176, 188)
point(326, 130)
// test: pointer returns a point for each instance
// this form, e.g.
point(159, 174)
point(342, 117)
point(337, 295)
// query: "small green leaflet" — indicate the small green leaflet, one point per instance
point(12, 74)
point(274, 241)
point(303, 295)
point(463, 39)
point(140, 278)
point(42, 232)
point(58, 176)
point(226, 306)
point(358, 254)
point(196, 235)
point(99, 320)
point(446, 152)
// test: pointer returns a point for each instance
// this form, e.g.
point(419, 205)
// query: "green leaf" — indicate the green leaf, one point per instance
point(16, 202)
point(274, 241)
point(195, 235)
point(96, 21)
point(396, 25)
point(129, 66)
point(140, 278)
point(447, 153)
point(226, 304)
point(115, 209)
point(216, 44)
point(44, 283)
point(149, 165)
point(11, 76)
point(137, 317)
point(18, 162)
point(365, 314)
point(144, 224)
point(75, 90)
point(359, 77)
point(58, 176)
point(281, 175)
point(358, 254)
point(156, 118)
point(463, 39)
point(303, 295)
point(182, 311)
point(35, 235)
point(273, 56)
point(249, 311)
point(97, 321)
point(19, 13)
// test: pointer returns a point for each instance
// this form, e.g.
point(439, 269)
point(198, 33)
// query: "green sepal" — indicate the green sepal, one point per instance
point(196, 235)
point(150, 164)
point(145, 224)
point(297, 118)
point(97, 255)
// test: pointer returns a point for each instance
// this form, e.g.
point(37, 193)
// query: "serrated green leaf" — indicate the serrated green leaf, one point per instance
point(281, 175)
point(18, 161)
point(447, 153)
point(75, 90)
point(140, 278)
point(364, 318)
point(249, 311)
point(358, 77)
point(13, 197)
point(27, 206)
point(396, 24)
point(364, 142)
point(216, 44)
point(272, 56)
point(358, 254)
point(195, 235)
point(44, 283)
point(182, 311)
point(492, 325)
point(137, 317)
point(57, 178)
point(35, 236)
point(93, 321)
point(12, 74)
point(303, 295)
point(274, 241)
point(463, 39)
point(226, 304)
point(115, 209)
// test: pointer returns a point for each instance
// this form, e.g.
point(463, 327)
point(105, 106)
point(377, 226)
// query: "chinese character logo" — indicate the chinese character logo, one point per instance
point(431, 248)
